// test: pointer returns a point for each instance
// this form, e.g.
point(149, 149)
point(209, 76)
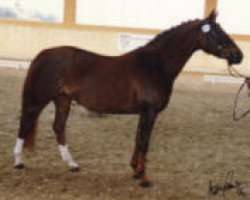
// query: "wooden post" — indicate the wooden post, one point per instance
point(209, 6)
point(69, 12)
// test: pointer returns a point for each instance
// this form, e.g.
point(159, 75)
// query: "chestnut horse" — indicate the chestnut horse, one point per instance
point(139, 82)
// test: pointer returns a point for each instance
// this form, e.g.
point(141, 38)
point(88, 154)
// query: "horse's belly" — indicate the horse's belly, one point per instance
point(111, 101)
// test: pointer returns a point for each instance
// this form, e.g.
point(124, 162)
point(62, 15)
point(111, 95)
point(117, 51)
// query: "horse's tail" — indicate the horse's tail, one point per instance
point(40, 87)
point(31, 108)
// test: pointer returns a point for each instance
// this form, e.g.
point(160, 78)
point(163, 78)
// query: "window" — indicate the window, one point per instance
point(234, 16)
point(38, 10)
point(154, 14)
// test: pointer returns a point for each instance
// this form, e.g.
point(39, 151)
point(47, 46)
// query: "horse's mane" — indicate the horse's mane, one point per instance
point(167, 35)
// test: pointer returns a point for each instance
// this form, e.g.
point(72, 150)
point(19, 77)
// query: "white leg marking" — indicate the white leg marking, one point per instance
point(18, 152)
point(66, 156)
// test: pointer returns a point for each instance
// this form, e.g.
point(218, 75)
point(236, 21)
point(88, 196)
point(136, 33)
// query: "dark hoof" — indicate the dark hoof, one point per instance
point(19, 166)
point(146, 184)
point(75, 169)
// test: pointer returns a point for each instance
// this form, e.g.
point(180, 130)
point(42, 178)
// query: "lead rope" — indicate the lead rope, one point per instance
point(229, 184)
point(235, 117)
point(234, 73)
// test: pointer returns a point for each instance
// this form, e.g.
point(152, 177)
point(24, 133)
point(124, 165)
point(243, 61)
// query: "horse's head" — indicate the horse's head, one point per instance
point(214, 40)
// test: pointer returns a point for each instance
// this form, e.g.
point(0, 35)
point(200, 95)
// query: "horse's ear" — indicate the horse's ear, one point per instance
point(212, 16)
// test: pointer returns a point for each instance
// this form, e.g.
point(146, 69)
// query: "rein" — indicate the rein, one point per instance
point(234, 73)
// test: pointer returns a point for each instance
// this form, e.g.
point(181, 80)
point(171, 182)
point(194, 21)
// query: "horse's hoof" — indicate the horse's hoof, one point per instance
point(19, 166)
point(75, 169)
point(146, 184)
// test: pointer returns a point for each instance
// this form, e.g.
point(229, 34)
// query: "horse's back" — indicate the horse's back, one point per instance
point(63, 58)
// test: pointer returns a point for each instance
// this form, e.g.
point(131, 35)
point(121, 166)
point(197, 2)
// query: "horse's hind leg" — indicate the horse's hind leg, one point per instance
point(62, 104)
point(27, 132)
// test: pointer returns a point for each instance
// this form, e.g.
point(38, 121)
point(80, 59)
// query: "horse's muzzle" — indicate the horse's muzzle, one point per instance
point(235, 58)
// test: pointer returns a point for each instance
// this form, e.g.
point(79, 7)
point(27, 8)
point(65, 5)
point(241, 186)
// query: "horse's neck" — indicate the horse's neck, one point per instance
point(176, 52)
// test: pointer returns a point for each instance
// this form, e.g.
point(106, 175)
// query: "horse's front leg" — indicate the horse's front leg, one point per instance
point(135, 156)
point(145, 126)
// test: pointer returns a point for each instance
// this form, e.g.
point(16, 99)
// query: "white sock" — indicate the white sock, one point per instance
point(18, 149)
point(66, 156)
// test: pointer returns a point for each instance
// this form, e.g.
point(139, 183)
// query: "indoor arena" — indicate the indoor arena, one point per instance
point(124, 99)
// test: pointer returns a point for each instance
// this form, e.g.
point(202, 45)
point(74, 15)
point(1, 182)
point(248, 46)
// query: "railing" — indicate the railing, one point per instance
point(11, 63)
